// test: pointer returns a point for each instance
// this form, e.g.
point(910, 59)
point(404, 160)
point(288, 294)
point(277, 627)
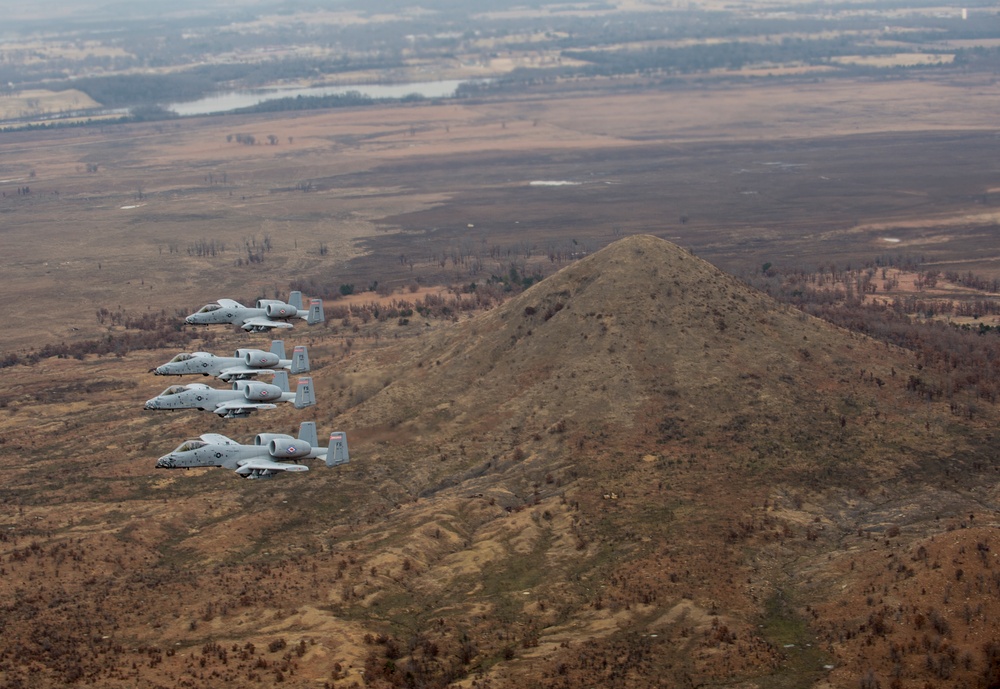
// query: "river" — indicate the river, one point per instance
point(233, 100)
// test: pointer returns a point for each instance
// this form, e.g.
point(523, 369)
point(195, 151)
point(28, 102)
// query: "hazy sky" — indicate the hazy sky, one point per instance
point(78, 9)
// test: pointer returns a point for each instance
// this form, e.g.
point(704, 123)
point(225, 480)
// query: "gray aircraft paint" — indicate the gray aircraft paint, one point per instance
point(266, 315)
point(263, 459)
point(246, 363)
point(242, 399)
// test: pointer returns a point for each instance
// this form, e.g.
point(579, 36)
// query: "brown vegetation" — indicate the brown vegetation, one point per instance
point(635, 472)
point(595, 482)
point(951, 327)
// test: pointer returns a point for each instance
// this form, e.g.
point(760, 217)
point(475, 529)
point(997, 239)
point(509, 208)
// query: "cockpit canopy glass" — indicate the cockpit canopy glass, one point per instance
point(189, 445)
point(180, 357)
point(208, 308)
point(173, 390)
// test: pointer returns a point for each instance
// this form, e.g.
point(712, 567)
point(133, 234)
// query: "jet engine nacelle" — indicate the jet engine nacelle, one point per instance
point(290, 448)
point(259, 359)
point(265, 438)
point(280, 310)
point(261, 392)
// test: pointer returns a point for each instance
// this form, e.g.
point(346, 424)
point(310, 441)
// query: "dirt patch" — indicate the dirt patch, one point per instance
point(35, 102)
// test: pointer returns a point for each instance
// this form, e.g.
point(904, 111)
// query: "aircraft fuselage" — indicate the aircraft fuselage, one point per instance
point(213, 365)
point(197, 362)
point(199, 396)
point(241, 314)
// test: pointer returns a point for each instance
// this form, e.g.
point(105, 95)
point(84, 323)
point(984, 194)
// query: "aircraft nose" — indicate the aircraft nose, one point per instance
point(189, 320)
point(164, 462)
point(151, 404)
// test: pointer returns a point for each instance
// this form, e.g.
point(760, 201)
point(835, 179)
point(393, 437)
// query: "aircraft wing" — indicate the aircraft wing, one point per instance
point(252, 465)
point(216, 439)
point(263, 322)
point(242, 406)
point(241, 371)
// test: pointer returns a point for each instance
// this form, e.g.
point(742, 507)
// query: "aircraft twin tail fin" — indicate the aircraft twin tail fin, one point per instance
point(305, 395)
point(295, 299)
point(300, 360)
point(281, 380)
point(337, 452)
point(307, 433)
point(316, 314)
point(278, 348)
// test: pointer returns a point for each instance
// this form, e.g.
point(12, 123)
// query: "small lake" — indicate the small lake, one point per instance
point(225, 102)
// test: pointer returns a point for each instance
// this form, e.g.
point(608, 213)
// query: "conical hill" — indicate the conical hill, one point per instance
point(638, 473)
point(643, 339)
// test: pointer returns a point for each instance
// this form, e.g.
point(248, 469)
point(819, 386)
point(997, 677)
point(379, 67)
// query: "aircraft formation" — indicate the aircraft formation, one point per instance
point(269, 454)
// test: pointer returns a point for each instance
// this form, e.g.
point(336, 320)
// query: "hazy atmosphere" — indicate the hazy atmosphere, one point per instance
point(664, 338)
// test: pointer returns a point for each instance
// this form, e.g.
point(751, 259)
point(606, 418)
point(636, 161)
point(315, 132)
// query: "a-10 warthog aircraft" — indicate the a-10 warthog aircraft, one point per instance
point(246, 364)
point(267, 314)
point(244, 398)
point(260, 460)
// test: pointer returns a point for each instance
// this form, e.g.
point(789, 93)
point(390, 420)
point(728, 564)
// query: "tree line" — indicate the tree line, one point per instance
point(732, 55)
point(959, 359)
point(131, 90)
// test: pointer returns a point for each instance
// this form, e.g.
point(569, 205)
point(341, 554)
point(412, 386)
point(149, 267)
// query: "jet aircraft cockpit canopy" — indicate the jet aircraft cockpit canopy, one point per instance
point(173, 390)
point(208, 308)
point(183, 356)
point(189, 445)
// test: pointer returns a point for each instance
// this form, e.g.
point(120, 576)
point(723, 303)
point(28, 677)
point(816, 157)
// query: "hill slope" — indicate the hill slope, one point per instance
point(638, 472)
point(676, 438)
point(646, 344)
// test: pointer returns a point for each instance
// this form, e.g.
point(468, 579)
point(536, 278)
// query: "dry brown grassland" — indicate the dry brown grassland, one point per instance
point(581, 552)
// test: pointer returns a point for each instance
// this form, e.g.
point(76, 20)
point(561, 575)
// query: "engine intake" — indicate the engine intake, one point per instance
point(265, 438)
